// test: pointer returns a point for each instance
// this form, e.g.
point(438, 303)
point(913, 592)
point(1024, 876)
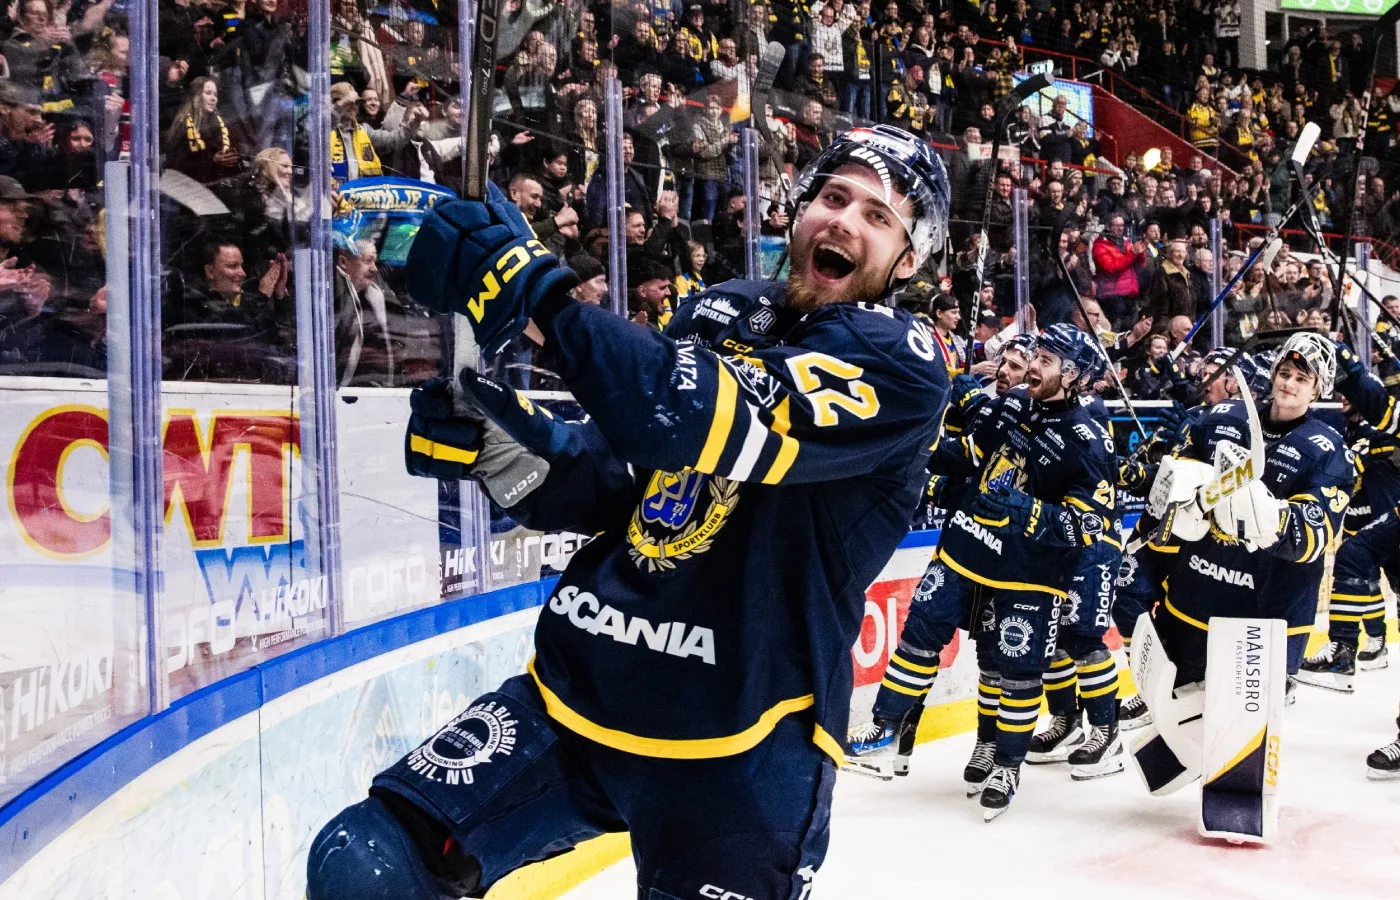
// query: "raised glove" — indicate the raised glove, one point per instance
point(481, 259)
point(1172, 423)
point(1252, 514)
point(1349, 365)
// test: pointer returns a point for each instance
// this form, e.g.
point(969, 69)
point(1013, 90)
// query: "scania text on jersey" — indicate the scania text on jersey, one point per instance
point(1220, 573)
point(964, 521)
point(585, 612)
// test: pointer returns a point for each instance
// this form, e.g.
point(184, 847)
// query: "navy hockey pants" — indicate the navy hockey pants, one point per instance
point(752, 825)
point(1356, 598)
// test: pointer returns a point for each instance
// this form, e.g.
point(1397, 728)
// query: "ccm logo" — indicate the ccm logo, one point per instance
point(717, 893)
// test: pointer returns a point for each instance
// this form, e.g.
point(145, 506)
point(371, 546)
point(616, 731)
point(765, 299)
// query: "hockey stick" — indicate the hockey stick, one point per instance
point(1110, 367)
point(483, 89)
point(1266, 252)
point(760, 93)
point(1383, 26)
point(1019, 94)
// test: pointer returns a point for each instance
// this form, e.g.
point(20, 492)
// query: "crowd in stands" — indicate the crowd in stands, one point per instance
point(234, 150)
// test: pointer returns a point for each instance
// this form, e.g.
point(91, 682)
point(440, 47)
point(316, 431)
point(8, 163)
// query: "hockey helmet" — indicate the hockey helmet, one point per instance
point(1248, 367)
point(905, 164)
point(1313, 353)
point(1081, 360)
point(1024, 344)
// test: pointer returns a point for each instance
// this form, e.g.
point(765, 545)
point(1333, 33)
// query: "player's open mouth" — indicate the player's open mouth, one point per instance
point(832, 262)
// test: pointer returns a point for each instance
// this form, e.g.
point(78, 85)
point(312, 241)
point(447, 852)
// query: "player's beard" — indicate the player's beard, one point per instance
point(865, 285)
point(1047, 389)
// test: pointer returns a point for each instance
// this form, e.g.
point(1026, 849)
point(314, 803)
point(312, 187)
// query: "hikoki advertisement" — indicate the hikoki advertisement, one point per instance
point(235, 583)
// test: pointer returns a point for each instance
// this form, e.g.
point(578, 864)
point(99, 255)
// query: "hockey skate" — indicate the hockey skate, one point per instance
point(881, 749)
point(1332, 668)
point(1057, 742)
point(1384, 764)
point(1373, 657)
point(1102, 754)
point(979, 767)
point(1133, 714)
point(1001, 787)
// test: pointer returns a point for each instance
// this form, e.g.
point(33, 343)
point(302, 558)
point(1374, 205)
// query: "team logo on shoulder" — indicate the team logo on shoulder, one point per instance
point(666, 528)
point(932, 581)
point(483, 732)
point(762, 320)
point(1314, 516)
point(1015, 639)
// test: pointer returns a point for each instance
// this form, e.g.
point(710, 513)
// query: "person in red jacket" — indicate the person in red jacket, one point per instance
point(1116, 263)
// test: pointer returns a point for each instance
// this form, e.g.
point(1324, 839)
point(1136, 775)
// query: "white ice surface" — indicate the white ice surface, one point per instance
point(920, 837)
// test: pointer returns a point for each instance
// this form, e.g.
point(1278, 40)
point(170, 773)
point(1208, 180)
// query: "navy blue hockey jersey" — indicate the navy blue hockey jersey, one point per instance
point(777, 463)
point(1056, 452)
point(1306, 464)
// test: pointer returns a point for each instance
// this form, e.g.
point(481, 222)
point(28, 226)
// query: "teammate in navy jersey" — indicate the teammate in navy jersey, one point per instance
point(1044, 490)
point(1260, 551)
point(1371, 540)
point(747, 474)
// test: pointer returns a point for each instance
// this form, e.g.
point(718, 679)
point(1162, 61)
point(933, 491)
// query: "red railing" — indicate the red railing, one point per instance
point(1081, 68)
point(1384, 251)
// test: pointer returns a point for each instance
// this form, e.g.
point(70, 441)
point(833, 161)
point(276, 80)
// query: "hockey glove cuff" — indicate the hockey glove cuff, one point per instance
point(967, 394)
point(1017, 512)
point(481, 259)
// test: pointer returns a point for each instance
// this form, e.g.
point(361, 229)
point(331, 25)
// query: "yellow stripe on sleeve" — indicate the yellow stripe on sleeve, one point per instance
point(788, 446)
point(726, 397)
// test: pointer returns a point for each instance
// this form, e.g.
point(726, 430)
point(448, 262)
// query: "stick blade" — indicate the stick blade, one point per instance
point(1305, 143)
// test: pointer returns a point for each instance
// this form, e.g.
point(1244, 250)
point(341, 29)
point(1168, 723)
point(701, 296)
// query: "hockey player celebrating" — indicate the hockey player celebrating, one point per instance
point(693, 661)
point(1371, 541)
point(1258, 551)
point(1044, 490)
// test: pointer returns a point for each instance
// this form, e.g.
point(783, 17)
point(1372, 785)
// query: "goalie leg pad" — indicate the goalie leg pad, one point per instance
point(1241, 743)
point(1168, 756)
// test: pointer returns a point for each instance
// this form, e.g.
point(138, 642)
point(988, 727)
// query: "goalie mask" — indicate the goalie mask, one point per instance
point(905, 165)
point(1313, 353)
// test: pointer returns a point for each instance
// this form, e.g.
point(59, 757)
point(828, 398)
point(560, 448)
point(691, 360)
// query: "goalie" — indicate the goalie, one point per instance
point(1247, 537)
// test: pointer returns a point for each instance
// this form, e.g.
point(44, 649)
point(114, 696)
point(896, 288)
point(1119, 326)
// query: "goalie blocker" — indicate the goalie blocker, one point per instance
point(1227, 735)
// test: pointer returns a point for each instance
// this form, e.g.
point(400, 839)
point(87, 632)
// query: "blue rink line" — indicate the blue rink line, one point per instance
point(57, 801)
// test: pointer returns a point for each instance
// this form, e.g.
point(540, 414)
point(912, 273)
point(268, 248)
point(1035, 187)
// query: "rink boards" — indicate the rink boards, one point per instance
point(220, 795)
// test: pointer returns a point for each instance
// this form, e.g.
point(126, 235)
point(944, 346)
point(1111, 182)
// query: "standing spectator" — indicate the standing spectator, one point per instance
point(1169, 292)
point(856, 49)
point(815, 85)
point(364, 347)
point(1117, 280)
point(40, 52)
point(199, 142)
point(827, 43)
point(287, 215)
point(1202, 263)
point(951, 346)
point(713, 138)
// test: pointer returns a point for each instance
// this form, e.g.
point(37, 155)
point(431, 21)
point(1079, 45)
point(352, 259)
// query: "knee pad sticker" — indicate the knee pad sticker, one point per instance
point(476, 760)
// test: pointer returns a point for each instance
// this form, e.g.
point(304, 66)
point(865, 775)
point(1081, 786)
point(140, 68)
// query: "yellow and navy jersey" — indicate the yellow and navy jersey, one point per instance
point(1061, 454)
point(778, 459)
point(1375, 443)
point(1306, 464)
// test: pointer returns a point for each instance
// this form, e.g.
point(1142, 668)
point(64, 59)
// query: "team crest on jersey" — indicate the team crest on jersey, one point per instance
point(1015, 638)
point(1006, 472)
point(679, 516)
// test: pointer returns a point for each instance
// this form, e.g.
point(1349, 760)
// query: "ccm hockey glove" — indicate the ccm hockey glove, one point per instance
point(1350, 368)
point(1016, 512)
point(451, 437)
point(480, 259)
